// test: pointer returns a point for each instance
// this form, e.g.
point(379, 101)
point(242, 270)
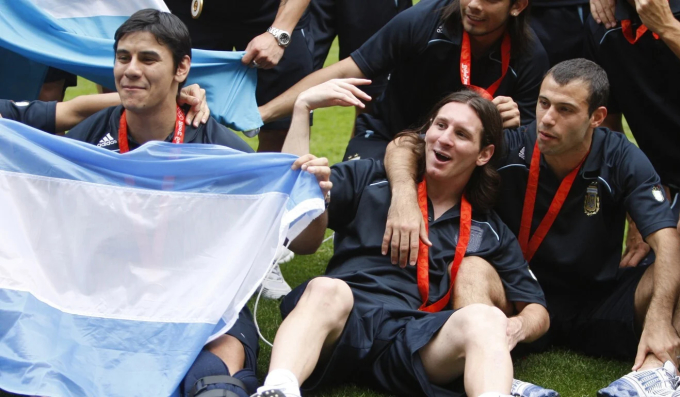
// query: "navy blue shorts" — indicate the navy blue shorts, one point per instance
point(212, 32)
point(244, 330)
point(602, 327)
point(379, 347)
point(353, 22)
point(561, 30)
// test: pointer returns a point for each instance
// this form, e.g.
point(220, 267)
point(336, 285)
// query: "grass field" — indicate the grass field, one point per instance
point(571, 374)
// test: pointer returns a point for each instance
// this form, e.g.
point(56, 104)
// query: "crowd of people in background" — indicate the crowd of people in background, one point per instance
point(483, 198)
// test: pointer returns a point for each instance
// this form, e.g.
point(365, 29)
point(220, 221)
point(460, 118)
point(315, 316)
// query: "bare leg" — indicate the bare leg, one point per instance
point(52, 91)
point(312, 328)
point(473, 341)
point(230, 350)
point(271, 140)
point(478, 282)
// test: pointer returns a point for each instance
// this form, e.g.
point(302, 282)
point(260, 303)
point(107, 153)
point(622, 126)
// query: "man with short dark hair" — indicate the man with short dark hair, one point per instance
point(152, 61)
point(432, 49)
point(566, 186)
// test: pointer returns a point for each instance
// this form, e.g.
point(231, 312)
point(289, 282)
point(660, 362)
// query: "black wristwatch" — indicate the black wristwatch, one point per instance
point(281, 36)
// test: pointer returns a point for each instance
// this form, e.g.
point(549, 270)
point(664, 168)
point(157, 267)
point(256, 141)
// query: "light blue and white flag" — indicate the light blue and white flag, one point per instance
point(115, 269)
point(77, 36)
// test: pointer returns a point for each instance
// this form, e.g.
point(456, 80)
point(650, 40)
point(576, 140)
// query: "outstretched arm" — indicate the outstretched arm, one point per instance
point(659, 337)
point(282, 105)
point(340, 92)
point(405, 223)
point(531, 322)
point(70, 113)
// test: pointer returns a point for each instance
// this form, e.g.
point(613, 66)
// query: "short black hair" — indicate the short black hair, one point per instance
point(587, 71)
point(168, 29)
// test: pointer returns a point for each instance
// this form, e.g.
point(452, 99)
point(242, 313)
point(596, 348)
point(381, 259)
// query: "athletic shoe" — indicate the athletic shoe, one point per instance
point(525, 389)
point(660, 381)
point(284, 255)
point(269, 393)
point(274, 285)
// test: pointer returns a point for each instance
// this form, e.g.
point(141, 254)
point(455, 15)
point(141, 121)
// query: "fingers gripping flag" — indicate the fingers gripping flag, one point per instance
point(77, 36)
point(115, 270)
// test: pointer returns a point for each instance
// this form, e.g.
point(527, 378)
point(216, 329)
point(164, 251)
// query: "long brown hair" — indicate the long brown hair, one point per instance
point(482, 188)
point(518, 26)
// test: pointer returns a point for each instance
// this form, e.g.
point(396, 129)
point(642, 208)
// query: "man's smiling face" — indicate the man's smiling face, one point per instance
point(144, 71)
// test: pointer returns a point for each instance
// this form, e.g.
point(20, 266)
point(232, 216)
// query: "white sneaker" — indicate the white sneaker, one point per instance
point(525, 389)
point(284, 255)
point(274, 285)
point(660, 381)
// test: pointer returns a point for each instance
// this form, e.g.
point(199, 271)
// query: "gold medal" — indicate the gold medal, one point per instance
point(196, 8)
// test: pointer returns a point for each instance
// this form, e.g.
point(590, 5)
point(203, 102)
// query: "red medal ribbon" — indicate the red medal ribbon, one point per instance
point(627, 29)
point(529, 247)
point(466, 66)
point(123, 131)
point(423, 264)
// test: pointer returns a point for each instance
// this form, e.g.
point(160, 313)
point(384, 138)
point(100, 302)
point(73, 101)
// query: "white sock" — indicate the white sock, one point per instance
point(494, 394)
point(283, 380)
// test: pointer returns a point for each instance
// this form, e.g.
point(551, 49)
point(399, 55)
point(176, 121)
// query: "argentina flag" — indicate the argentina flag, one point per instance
point(115, 269)
point(77, 36)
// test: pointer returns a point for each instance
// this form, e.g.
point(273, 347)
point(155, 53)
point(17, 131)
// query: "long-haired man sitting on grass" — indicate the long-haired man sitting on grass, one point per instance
point(393, 328)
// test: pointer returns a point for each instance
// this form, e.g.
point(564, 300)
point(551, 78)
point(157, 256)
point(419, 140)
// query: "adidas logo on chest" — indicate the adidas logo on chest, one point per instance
point(107, 140)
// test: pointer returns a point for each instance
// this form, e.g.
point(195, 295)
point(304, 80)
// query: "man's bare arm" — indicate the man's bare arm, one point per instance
point(657, 16)
point(659, 337)
point(72, 112)
point(531, 322)
point(282, 105)
point(405, 223)
point(264, 49)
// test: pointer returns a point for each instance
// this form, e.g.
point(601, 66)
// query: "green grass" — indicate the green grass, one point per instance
point(571, 374)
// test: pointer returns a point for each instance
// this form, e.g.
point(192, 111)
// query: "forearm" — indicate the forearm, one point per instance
point(535, 322)
point(297, 140)
point(72, 112)
point(282, 105)
point(401, 166)
point(289, 14)
point(671, 36)
point(310, 239)
point(666, 246)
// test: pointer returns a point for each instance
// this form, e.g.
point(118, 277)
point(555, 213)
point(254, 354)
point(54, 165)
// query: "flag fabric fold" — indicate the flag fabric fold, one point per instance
point(115, 269)
point(77, 36)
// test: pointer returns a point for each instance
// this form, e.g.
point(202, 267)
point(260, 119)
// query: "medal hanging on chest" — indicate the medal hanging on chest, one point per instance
point(423, 264)
point(123, 144)
point(529, 246)
point(466, 66)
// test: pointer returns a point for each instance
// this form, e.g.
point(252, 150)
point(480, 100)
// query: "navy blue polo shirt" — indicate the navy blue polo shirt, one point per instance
point(37, 114)
point(579, 257)
point(101, 129)
point(424, 59)
point(358, 213)
point(645, 82)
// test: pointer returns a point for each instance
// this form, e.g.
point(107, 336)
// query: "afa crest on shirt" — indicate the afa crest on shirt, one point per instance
point(591, 204)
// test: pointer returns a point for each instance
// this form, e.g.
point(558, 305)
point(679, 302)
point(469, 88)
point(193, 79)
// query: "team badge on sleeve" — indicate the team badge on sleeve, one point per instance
point(591, 204)
point(196, 8)
point(657, 192)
